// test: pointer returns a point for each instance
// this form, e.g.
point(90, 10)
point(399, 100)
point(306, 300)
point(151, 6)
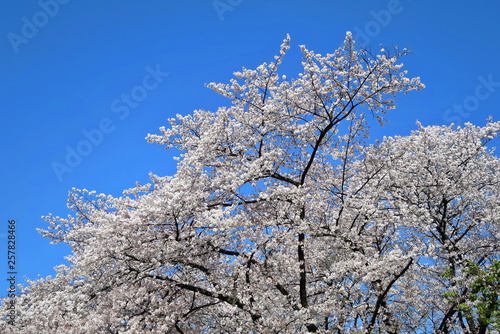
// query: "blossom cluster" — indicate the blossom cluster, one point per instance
point(282, 219)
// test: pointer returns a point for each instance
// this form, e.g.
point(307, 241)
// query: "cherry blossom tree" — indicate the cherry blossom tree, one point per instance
point(282, 219)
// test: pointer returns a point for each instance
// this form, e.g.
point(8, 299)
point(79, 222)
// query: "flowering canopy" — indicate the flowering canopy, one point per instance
point(281, 219)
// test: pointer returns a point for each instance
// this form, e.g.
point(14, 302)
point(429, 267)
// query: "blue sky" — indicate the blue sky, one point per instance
point(83, 83)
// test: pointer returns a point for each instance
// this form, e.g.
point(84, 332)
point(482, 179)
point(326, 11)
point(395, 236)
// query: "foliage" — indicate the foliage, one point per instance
point(281, 219)
point(480, 304)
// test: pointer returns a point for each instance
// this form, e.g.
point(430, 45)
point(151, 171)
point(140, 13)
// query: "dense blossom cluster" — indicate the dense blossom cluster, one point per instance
point(281, 219)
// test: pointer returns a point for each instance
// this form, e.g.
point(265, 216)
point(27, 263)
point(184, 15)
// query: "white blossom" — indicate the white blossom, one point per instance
point(281, 219)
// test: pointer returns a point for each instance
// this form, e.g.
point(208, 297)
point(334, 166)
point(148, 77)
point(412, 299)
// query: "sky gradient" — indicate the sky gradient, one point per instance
point(84, 82)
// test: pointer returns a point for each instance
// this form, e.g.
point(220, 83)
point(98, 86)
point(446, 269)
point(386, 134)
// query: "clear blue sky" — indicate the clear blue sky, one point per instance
point(92, 78)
